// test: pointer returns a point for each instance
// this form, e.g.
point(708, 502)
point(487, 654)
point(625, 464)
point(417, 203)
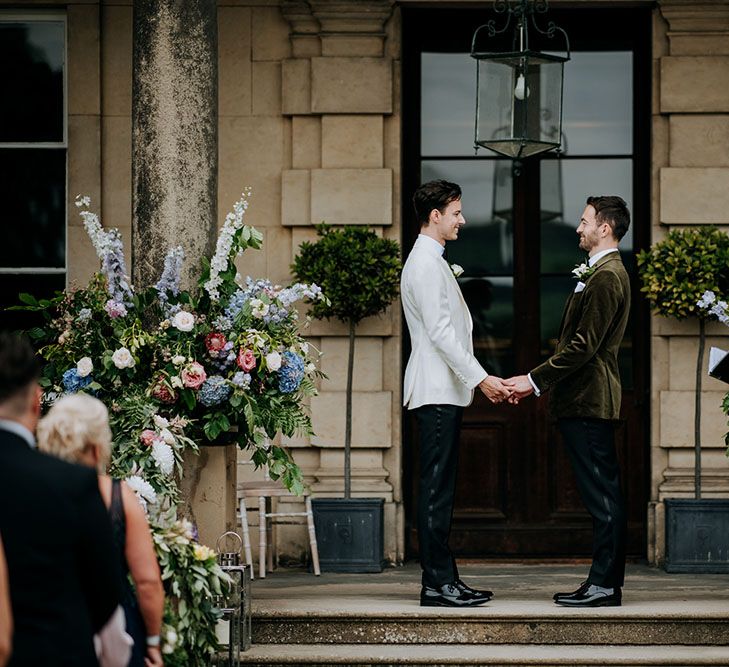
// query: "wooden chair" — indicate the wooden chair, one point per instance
point(264, 491)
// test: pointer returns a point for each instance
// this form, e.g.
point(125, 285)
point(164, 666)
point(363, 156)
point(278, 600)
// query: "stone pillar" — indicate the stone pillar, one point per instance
point(174, 189)
point(690, 187)
point(340, 92)
point(174, 134)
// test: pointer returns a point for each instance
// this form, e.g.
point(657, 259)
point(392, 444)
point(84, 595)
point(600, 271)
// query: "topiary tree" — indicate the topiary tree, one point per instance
point(677, 273)
point(359, 272)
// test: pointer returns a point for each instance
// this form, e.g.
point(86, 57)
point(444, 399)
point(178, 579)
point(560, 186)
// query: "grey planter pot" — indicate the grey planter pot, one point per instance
point(349, 534)
point(697, 535)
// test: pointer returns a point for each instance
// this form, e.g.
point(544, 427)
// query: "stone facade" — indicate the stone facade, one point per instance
point(309, 117)
point(690, 179)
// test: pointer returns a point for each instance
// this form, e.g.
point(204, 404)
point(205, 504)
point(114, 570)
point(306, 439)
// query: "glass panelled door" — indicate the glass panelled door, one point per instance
point(516, 494)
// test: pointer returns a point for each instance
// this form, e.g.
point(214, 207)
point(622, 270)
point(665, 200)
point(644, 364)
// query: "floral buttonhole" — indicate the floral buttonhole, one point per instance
point(457, 270)
point(583, 271)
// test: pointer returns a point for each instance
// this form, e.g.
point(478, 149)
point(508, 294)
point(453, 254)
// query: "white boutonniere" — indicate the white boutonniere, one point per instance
point(583, 271)
point(457, 269)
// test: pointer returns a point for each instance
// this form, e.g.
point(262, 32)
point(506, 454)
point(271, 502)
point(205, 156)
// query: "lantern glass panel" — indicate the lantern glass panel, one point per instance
point(519, 103)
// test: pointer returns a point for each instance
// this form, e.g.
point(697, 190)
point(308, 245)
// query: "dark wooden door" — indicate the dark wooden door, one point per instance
point(516, 494)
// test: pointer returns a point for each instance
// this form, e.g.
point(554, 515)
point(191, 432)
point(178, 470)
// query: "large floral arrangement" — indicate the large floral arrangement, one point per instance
point(177, 369)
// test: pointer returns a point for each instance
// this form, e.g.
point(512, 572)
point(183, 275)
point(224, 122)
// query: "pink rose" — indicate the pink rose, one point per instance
point(148, 437)
point(193, 375)
point(246, 360)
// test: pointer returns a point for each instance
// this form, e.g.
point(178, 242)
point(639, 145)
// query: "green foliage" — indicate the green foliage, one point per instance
point(357, 270)
point(677, 271)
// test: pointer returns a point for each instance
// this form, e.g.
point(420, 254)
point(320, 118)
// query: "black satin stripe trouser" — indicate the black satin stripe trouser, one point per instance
point(439, 428)
point(591, 447)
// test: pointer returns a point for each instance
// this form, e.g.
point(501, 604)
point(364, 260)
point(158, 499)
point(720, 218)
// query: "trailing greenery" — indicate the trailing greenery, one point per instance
point(360, 274)
point(687, 275)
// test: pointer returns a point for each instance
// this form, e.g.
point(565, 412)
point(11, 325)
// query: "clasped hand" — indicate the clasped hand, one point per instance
point(512, 389)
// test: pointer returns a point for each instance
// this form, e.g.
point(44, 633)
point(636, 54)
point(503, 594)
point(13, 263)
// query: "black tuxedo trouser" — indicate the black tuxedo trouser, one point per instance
point(439, 427)
point(591, 447)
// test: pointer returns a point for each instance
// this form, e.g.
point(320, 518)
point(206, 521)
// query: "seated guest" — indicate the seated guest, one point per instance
point(64, 580)
point(76, 429)
point(6, 616)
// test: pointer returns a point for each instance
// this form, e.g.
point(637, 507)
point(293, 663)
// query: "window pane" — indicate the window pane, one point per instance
point(491, 303)
point(598, 103)
point(33, 192)
point(565, 185)
point(485, 245)
point(31, 77)
point(448, 98)
point(40, 286)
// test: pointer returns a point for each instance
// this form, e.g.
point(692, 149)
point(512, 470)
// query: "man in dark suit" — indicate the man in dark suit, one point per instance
point(584, 380)
point(55, 530)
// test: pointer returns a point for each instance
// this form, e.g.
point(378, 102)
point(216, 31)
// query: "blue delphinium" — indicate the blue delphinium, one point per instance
point(214, 391)
point(72, 381)
point(169, 282)
point(291, 372)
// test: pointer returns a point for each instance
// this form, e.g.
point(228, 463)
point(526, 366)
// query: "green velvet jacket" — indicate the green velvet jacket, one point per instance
point(582, 375)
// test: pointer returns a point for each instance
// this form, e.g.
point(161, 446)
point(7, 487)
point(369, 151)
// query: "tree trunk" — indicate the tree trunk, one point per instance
point(697, 408)
point(348, 427)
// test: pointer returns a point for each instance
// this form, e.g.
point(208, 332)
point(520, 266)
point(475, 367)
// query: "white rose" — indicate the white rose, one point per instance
point(123, 358)
point(167, 436)
point(457, 269)
point(183, 321)
point(160, 422)
point(84, 367)
point(273, 361)
point(258, 308)
point(178, 360)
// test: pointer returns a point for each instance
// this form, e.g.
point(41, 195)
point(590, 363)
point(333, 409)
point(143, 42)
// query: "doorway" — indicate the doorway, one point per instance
point(516, 495)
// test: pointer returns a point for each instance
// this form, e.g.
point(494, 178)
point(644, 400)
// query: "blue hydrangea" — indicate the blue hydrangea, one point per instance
point(72, 381)
point(241, 379)
point(214, 391)
point(291, 372)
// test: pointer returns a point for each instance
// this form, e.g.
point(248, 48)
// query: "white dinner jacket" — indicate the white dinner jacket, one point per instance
point(441, 368)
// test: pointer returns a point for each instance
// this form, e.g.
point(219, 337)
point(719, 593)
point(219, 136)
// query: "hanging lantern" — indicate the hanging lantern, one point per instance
point(234, 628)
point(518, 91)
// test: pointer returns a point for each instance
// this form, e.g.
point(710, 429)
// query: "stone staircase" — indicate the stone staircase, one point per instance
point(375, 620)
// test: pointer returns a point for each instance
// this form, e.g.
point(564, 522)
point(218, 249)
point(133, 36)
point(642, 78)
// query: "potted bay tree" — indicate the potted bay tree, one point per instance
point(360, 273)
point(687, 276)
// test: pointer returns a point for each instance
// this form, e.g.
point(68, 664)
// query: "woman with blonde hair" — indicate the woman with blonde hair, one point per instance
point(77, 429)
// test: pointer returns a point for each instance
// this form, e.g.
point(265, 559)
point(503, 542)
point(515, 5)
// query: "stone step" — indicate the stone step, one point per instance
point(503, 654)
point(508, 622)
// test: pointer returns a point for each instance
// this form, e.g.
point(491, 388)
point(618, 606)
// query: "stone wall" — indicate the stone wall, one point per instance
point(690, 186)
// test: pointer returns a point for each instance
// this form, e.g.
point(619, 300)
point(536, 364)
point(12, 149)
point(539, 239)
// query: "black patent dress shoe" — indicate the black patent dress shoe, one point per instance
point(583, 587)
point(448, 595)
point(485, 595)
point(593, 596)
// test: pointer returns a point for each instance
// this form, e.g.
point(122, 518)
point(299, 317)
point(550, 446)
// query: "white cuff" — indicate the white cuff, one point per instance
point(534, 385)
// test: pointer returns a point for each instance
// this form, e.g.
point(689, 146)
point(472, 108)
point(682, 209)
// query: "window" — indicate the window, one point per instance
point(33, 147)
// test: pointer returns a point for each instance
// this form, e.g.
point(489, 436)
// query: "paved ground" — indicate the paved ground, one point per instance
point(520, 589)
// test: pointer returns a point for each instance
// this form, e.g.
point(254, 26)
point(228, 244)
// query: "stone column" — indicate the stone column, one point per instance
point(690, 187)
point(174, 189)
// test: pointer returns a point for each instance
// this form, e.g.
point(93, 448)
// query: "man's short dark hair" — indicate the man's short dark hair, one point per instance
point(434, 194)
point(613, 210)
point(19, 365)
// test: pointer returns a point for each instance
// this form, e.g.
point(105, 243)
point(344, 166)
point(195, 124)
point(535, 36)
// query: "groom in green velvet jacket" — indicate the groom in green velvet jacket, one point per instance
point(584, 383)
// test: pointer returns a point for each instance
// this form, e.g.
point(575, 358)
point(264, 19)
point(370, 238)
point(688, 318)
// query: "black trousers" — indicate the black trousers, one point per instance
point(439, 429)
point(591, 447)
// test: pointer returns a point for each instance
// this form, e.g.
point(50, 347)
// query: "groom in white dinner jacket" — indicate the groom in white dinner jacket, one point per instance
point(440, 378)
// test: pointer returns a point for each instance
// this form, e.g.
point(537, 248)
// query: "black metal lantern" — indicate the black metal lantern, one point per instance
point(519, 92)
